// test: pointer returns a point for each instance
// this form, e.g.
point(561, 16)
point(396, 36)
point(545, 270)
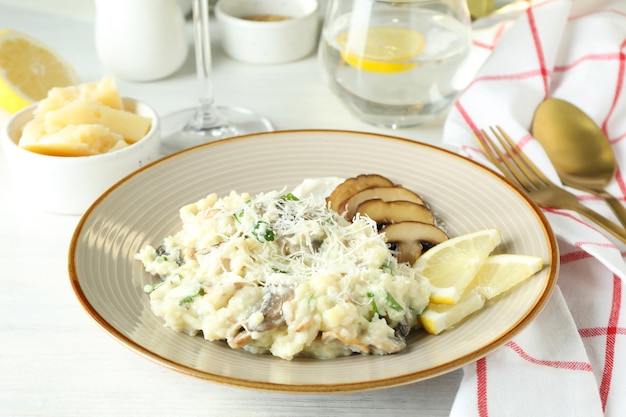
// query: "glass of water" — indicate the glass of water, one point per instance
point(396, 63)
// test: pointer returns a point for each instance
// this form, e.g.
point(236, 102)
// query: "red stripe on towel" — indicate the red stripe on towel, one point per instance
point(609, 355)
point(481, 382)
point(539, 49)
point(571, 365)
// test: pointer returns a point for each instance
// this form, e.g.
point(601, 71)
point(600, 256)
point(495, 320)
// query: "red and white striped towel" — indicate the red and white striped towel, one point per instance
point(571, 361)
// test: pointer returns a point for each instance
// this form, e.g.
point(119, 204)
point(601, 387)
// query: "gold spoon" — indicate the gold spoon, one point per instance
point(578, 149)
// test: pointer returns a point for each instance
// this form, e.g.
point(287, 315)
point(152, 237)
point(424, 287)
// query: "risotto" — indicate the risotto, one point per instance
point(285, 275)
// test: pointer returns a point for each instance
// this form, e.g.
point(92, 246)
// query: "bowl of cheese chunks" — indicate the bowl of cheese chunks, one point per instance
point(69, 148)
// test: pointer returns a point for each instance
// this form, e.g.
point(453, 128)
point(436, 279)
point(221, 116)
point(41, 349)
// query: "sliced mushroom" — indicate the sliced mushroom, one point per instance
point(240, 340)
point(388, 345)
point(395, 193)
point(412, 231)
point(395, 211)
point(272, 310)
point(353, 185)
point(403, 328)
point(408, 251)
point(354, 344)
point(400, 213)
point(409, 237)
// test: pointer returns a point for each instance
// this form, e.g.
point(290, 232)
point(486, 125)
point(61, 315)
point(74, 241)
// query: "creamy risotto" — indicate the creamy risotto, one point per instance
point(286, 275)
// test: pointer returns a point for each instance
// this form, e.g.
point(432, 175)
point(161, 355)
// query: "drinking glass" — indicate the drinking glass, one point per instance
point(395, 63)
point(206, 122)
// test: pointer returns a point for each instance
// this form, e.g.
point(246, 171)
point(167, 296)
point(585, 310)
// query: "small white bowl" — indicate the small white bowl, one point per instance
point(268, 42)
point(70, 184)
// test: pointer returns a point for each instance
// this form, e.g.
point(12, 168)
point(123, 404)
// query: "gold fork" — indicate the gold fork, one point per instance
point(519, 169)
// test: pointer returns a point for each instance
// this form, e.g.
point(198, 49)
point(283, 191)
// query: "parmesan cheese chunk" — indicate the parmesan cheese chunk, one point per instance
point(83, 120)
point(73, 140)
point(103, 91)
point(83, 111)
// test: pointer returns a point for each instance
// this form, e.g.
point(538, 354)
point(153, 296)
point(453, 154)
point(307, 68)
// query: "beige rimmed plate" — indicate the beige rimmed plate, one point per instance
point(143, 208)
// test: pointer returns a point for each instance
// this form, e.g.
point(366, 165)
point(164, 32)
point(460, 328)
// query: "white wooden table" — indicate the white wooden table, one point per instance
point(54, 360)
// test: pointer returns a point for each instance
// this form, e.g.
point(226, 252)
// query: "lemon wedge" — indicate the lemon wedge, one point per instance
point(497, 274)
point(452, 265)
point(381, 49)
point(439, 317)
point(28, 70)
point(500, 273)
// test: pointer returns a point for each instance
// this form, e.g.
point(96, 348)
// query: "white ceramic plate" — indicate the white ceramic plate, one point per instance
point(143, 208)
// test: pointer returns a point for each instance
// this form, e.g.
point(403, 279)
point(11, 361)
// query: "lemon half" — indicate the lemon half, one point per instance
point(28, 70)
point(381, 49)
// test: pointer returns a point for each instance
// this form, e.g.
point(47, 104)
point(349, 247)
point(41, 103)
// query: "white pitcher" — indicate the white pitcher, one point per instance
point(140, 40)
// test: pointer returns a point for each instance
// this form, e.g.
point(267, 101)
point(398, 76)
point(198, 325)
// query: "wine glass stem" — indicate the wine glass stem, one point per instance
point(207, 114)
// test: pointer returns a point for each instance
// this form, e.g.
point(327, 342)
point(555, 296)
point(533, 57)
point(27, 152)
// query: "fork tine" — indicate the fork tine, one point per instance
point(481, 138)
point(512, 162)
point(499, 159)
point(517, 153)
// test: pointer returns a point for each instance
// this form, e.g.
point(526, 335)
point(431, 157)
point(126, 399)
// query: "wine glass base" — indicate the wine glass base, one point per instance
point(185, 129)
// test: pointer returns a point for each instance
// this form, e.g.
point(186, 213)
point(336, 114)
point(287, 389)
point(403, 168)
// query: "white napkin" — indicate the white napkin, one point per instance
point(568, 362)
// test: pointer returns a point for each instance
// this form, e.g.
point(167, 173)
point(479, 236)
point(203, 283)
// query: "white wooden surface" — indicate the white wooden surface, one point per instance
point(54, 359)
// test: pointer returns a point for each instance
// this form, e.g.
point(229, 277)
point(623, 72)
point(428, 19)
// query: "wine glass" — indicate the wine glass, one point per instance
point(206, 121)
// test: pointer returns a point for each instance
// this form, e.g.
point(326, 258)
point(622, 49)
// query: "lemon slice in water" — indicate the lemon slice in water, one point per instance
point(381, 49)
point(28, 70)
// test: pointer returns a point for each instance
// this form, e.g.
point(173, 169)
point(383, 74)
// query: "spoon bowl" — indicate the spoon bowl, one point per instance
point(578, 148)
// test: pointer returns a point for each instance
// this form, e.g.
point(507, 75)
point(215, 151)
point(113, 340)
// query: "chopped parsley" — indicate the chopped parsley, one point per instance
point(189, 298)
point(393, 303)
point(263, 232)
point(290, 197)
point(374, 306)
